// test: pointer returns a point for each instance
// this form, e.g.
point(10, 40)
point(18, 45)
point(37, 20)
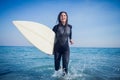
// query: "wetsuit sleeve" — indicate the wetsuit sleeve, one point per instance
point(55, 29)
point(70, 36)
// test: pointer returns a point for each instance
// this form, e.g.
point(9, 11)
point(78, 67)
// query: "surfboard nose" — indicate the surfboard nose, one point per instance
point(14, 22)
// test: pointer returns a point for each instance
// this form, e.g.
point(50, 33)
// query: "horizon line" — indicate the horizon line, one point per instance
point(70, 46)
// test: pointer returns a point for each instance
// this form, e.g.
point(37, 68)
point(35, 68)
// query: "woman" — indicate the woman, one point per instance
point(63, 33)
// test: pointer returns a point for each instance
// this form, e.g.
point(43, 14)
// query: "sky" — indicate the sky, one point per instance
point(95, 23)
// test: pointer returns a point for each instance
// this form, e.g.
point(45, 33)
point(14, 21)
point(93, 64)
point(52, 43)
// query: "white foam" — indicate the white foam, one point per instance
point(69, 76)
point(57, 73)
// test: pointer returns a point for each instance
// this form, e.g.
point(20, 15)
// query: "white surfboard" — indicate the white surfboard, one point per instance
point(38, 34)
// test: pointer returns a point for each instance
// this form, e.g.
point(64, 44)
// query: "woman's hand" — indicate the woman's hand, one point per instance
point(71, 42)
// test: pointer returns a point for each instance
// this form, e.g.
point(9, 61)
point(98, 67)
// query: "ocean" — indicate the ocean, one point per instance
point(28, 63)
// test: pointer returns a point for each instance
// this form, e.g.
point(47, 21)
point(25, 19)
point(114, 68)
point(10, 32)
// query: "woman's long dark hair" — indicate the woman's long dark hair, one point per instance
point(58, 19)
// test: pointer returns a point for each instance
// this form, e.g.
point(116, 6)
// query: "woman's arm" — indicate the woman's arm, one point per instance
point(70, 36)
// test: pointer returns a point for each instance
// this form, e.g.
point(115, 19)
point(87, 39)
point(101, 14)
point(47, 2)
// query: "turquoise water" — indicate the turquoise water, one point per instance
point(28, 63)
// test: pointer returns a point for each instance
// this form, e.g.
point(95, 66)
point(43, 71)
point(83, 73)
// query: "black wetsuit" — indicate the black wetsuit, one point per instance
point(61, 47)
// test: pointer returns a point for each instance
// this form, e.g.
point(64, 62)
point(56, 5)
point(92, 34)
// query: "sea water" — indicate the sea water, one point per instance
point(28, 63)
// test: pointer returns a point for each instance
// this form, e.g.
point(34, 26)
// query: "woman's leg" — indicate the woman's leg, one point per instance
point(57, 58)
point(65, 60)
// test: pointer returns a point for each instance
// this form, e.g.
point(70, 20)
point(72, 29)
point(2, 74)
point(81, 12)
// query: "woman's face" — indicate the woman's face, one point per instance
point(63, 18)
